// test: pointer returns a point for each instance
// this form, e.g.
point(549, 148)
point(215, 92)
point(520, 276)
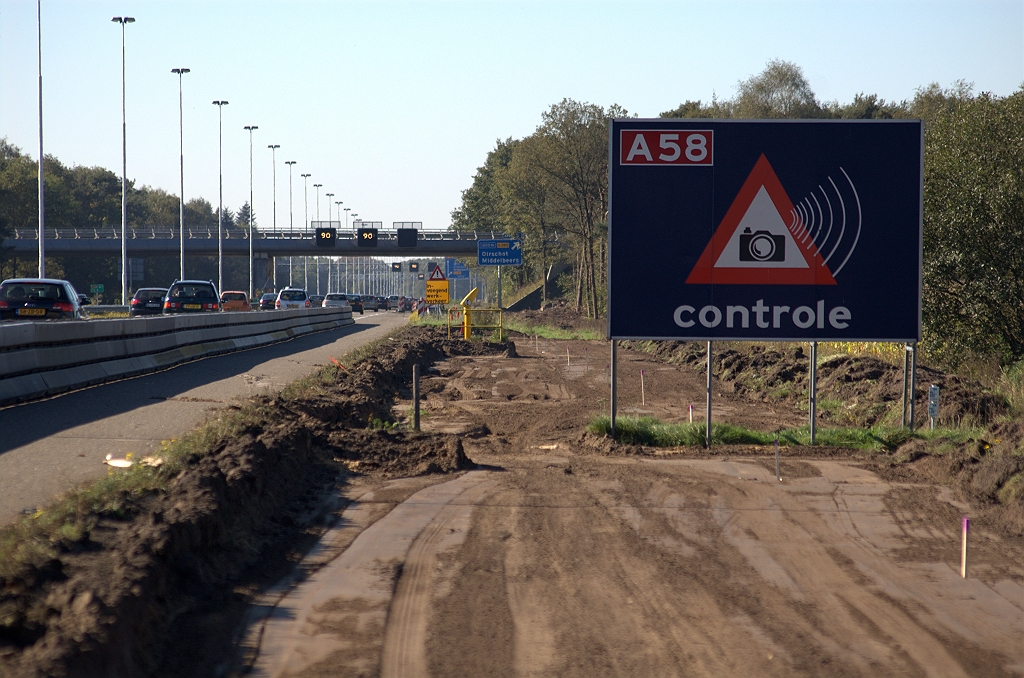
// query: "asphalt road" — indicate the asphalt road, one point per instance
point(50, 445)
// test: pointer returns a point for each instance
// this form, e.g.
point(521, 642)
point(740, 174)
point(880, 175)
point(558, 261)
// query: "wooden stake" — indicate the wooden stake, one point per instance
point(963, 553)
point(643, 396)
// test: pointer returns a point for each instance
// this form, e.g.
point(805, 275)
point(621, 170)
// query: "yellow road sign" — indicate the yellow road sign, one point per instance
point(437, 292)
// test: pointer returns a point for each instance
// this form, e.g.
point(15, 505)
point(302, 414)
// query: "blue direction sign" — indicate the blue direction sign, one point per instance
point(455, 269)
point(503, 252)
point(767, 230)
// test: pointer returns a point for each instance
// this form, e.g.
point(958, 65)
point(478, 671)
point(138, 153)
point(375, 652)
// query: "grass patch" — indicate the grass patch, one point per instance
point(548, 332)
point(652, 432)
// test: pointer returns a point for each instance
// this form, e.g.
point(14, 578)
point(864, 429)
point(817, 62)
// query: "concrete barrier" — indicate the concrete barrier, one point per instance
point(43, 358)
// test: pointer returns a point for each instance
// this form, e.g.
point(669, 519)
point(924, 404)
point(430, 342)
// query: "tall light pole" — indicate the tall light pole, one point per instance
point(273, 153)
point(337, 263)
point(317, 187)
point(42, 183)
point(291, 216)
point(220, 210)
point(250, 129)
point(346, 217)
point(305, 260)
point(124, 169)
point(329, 212)
point(181, 138)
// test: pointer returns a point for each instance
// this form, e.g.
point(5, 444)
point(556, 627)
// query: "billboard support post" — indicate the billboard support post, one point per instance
point(913, 382)
point(906, 378)
point(613, 383)
point(707, 435)
point(813, 408)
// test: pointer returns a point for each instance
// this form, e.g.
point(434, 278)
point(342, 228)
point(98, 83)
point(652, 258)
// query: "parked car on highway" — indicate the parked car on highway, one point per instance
point(369, 302)
point(316, 300)
point(267, 301)
point(338, 300)
point(291, 297)
point(191, 296)
point(235, 301)
point(147, 301)
point(38, 299)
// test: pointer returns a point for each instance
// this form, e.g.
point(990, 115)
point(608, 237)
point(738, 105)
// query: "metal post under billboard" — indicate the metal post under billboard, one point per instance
point(611, 367)
point(813, 408)
point(913, 382)
point(707, 435)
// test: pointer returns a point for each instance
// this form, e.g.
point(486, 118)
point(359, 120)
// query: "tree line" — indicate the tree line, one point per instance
point(90, 197)
point(551, 187)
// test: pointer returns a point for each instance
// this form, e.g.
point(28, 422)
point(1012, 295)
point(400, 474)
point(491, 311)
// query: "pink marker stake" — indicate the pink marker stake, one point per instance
point(963, 553)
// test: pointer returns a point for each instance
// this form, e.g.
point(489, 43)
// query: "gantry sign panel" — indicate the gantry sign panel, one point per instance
point(766, 230)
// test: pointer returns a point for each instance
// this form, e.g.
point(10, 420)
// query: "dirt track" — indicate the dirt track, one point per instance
point(553, 559)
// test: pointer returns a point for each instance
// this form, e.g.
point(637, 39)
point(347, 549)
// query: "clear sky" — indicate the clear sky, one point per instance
point(393, 105)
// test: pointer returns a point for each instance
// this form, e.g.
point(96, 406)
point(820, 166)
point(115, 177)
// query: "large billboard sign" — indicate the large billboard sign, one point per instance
point(501, 252)
point(766, 230)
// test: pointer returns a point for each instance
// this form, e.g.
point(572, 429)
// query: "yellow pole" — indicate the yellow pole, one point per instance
point(467, 325)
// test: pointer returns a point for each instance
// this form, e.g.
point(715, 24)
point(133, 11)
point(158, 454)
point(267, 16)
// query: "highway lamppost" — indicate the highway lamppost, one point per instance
point(180, 72)
point(346, 217)
point(250, 129)
point(329, 212)
point(329, 196)
point(337, 262)
point(305, 260)
point(273, 153)
point(124, 168)
point(317, 187)
point(220, 209)
point(291, 216)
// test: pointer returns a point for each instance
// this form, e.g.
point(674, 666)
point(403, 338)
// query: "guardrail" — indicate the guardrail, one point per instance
point(44, 358)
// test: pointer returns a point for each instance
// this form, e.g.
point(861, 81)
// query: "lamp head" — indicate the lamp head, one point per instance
point(181, 71)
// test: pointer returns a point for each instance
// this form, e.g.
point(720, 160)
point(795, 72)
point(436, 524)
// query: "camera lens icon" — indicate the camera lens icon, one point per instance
point(762, 246)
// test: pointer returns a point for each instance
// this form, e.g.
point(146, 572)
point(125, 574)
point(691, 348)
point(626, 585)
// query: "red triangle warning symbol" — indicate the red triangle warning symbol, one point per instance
point(757, 243)
point(436, 274)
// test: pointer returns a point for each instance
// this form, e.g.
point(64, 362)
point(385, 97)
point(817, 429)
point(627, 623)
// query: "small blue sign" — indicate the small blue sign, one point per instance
point(455, 269)
point(503, 252)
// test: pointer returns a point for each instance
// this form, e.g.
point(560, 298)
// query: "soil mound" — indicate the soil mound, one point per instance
point(107, 602)
point(852, 390)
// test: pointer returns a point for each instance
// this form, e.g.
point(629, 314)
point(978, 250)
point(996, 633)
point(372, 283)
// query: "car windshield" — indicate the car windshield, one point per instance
point(192, 292)
point(32, 290)
point(233, 296)
point(293, 295)
point(150, 295)
point(335, 297)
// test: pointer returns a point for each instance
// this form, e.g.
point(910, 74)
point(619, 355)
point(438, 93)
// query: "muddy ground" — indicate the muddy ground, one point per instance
point(505, 540)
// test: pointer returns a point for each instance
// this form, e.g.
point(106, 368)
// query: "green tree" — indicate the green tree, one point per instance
point(779, 91)
point(974, 226)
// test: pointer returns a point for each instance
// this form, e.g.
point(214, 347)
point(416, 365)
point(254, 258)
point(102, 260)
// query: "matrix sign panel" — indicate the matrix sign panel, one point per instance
point(366, 237)
point(326, 237)
point(767, 230)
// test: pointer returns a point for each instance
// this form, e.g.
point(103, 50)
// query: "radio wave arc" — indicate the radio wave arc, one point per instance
point(820, 229)
point(860, 217)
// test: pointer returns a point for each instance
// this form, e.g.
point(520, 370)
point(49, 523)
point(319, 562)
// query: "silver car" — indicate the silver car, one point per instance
point(291, 297)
